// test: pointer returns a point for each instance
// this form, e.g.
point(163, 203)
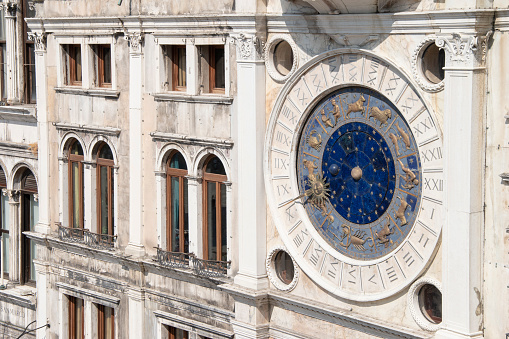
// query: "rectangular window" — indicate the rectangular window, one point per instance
point(30, 81)
point(175, 68)
point(176, 333)
point(4, 216)
point(76, 318)
point(73, 65)
point(216, 69)
point(106, 322)
point(3, 58)
point(103, 64)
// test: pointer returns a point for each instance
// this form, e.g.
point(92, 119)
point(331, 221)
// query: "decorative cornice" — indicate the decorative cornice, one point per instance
point(39, 38)
point(185, 139)
point(416, 66)
point(87, 129)
point(135, 39)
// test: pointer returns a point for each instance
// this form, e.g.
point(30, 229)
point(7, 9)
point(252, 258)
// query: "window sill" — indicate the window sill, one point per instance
point(94, 92)
point(202, 98)
point(25, 113)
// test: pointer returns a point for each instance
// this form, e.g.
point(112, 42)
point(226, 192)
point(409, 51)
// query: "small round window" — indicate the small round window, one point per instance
point(283, 57)
point(283, 265)
point(433, 63)
point(430, 303)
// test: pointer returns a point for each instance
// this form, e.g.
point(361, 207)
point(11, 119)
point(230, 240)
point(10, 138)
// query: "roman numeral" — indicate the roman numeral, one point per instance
point(373, 72)
point(299, 238)
point(391, 274)
point(432, 154)
point(434, 184)
point(332, 272)
point(301, 96)
point(283, 138)
point(317, 83)
point(280, 163)
point(315, 256)
point(352, 276)
point(423, 126)
point(408, 259)
point(289, 114)
point(409, 103)
point(393, 83)
point(289, 213)
point(421, 240)
point(283, 190)
point(353, 69)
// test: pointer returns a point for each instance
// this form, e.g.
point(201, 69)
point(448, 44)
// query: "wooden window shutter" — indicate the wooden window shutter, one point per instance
point(29, 184)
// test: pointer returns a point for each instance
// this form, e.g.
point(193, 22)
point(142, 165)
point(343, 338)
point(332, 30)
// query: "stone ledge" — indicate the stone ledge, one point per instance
point(95, 92)
point(203, 99)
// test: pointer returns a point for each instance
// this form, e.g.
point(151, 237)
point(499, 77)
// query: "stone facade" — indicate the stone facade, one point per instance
point(110, 77)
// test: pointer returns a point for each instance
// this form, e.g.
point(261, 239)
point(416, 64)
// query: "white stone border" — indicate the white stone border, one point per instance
point(269, 57)
point(419, 77)
point(413, 303)
point(272, 274)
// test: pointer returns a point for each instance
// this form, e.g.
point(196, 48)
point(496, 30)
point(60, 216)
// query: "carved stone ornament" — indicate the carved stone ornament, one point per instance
point(269, 57)
point(464, 51)
point(416, 66)
point(249, 46)
point(134, 40)
point(413, 303)
point(354, 40)
point(12, 194)
point(9, 8)
point(39, 38)
point(271, 271)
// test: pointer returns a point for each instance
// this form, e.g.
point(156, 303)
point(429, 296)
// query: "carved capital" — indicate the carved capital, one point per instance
point(464, 51)
point(9, 8)
point(249, 46)
point(39, 39)
point(134, 40)
point(12, 194)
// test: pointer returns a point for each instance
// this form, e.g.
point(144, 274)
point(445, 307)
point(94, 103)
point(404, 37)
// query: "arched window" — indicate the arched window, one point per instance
point(4, 222)
point(75, 157)
point(29, 218)
point(214, 210)
point(177, 227)
point(105, 190)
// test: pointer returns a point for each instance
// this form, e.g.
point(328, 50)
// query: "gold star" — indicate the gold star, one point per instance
point(333, 192)
point(383, 169)
point(348, 208)
point(372, 149)
point(341, 199)
point(360, 211)
point(380, 195)
point(369, 218)
point(411, 160)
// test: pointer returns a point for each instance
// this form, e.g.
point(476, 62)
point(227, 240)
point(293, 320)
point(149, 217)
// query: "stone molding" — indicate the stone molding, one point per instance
point(269, 57)
point(184, 139)
point(416, 66)
point(272, 274)
point(39, 39)
point(112, 131)
point(413, 303)
point(98, 298)
point(13, 195)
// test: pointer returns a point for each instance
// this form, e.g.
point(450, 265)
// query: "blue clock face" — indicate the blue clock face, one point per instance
point(359, 173)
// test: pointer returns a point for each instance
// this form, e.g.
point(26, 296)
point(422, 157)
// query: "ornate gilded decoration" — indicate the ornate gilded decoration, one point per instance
point(357, 106)
point(382, 235)
point(356, 239)
point(400, 214)
point(336, 112)
point(381, 116)
point(315, 140)
point(394, 140)
point(410, 178)
point(326, 120)
point(403, 136)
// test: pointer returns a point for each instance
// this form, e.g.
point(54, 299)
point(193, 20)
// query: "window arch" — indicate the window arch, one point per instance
point(177, 222)
point(105, 189)
point(29, 218)
point(214, 210)
point(76, 185)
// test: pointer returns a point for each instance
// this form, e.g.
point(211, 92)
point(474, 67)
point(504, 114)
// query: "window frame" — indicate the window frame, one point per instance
point(101, 321)
point(26, 192)
point(212, 69)
point(110, 165)
point(70, 74)
point(72, 306)
point(181, 175)
point(172, 332)
point(175, 60)
point(71, 159)
point(218, 179)
point(100, 71)
point(3, 230)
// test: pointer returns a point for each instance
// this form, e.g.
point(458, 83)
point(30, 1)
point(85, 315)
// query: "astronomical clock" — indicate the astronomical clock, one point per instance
point(354, 175)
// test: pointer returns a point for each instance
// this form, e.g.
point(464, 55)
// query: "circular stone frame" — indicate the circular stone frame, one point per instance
point(269, 57)
point(413, 303)
point(419, 77)
point(272, 274)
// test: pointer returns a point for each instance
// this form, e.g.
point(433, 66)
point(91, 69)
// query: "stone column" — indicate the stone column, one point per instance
point(14, 234)
point(10, 36)
point(250, 126)
point(135, 246)
point(43, 124)
point(136, 313)
point(41, 272)
point(194, 213)
point(464, 127)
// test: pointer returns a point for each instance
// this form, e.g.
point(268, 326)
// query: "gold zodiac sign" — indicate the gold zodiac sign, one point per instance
point(384, 233)
point(318, 191)
point(311, 166)
point(394, 140)
point(357, 106)
point(314, 140)
point(356, 239)
point(410, 177)
point(404, 136)
point(335, 111)
point(400, 214)
point(381, 116)
point(326, 120)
